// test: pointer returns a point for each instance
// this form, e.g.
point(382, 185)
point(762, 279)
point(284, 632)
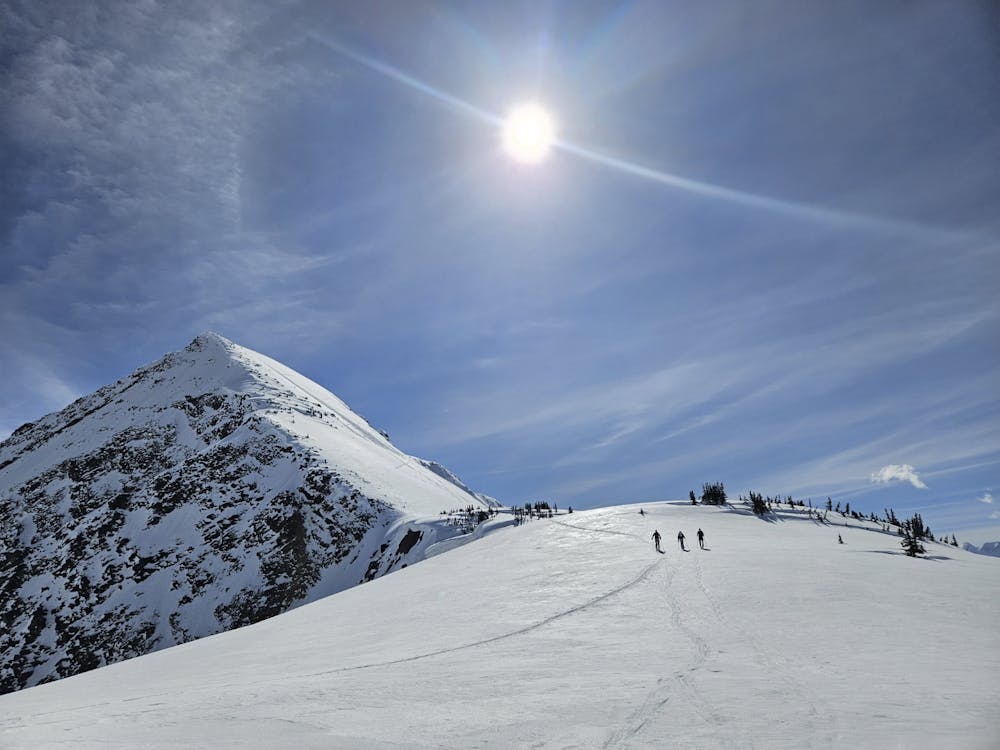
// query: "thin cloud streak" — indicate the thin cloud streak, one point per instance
point(406, 79)
point(753, 200)
point(717, 192)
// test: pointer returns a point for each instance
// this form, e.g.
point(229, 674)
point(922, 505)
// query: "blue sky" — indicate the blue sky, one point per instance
point(766, 253)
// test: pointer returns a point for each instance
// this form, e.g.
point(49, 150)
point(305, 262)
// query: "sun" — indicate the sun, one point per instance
point(528, 133)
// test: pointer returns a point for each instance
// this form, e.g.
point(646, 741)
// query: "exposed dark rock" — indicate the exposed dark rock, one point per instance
point(406, 543)
point(168, 506)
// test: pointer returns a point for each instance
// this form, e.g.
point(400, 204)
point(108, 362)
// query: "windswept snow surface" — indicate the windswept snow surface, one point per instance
point(573, 633)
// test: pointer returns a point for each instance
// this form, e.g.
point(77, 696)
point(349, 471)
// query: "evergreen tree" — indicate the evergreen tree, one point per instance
point(713, 493)
point(911, 544)
point(694, 500)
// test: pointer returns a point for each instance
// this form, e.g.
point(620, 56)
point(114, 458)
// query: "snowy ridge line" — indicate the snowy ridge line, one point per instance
point(210, 489)
point(71, 423)
point(310, 395)
point(521, 631)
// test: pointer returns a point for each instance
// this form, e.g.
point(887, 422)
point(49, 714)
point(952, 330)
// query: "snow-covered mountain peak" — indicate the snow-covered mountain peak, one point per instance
point(990, 549)
point(211, 338)
point(207, 490)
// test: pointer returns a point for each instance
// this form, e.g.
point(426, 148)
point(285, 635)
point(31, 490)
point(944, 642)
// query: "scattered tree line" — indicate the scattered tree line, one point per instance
point(468, 518)
point(537, 509)
point(913, 530)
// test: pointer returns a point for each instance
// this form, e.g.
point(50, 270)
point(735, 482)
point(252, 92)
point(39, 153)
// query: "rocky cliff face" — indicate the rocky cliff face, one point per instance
point(209, 490)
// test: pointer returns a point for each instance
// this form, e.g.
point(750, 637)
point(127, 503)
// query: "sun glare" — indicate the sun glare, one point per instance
point(528, 133)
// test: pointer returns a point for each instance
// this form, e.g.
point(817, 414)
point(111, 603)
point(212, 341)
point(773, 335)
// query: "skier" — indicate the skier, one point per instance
point(642, 512)
point(656, 540)
point(840, 539)
point(701, 538)
point(680, 538)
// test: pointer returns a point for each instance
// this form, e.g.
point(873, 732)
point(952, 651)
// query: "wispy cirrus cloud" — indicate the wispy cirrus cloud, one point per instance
point(986, 497)
point(898, 472)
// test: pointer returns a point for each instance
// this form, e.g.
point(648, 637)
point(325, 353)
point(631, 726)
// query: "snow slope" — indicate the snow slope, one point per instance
point(205, 491)
point(573, 633)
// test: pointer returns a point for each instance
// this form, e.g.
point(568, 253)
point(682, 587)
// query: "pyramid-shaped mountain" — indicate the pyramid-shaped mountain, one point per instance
point(209, 490)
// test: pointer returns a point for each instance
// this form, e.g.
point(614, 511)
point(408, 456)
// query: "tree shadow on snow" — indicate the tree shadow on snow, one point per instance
point(935, 558)
point(771, 516)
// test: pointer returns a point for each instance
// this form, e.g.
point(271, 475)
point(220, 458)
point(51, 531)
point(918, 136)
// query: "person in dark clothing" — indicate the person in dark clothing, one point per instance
point(701, 538)
point(680, 538)
point(656, 540)
point(642, 512)
point(840, 539)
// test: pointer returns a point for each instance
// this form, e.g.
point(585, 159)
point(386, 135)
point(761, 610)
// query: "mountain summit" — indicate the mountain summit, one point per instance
point(208, 490)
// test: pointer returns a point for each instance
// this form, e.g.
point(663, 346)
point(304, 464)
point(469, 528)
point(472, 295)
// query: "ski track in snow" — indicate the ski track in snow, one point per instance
point(595, 531)
point(774, 662)
point(503, 636)
point(684, 679)
point(682, 686)
point(642, 576)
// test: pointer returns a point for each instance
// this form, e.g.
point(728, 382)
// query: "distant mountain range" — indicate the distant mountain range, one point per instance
point(989, 548)
point(209, 490)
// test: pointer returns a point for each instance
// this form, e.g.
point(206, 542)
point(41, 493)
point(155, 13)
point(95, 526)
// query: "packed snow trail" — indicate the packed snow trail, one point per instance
point(503, 636)
point(573, 633)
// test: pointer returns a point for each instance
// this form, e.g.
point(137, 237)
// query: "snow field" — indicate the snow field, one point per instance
point(574, 633)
